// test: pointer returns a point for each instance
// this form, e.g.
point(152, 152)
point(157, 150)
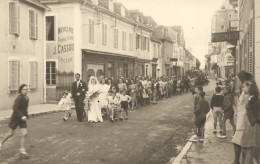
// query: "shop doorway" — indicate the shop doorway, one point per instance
point(93, 70)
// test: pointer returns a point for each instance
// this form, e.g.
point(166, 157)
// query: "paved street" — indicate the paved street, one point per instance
point(153, 134)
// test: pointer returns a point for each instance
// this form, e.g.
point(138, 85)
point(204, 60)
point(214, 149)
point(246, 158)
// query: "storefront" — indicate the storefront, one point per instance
point(95, 63)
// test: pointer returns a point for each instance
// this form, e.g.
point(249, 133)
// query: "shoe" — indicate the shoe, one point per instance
point(112, 121)
point(24, 155)
point(214, 131)
point(64, 119)
point(220, 131)
point(201, 139)
point(121, 119)
point(126, 118)
point(222, 136)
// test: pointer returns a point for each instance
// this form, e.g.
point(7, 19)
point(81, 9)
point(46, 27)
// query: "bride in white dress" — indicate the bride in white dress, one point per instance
point(94, 113)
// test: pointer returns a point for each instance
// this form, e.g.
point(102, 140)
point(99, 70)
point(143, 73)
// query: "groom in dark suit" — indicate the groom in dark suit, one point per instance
point(79, 89)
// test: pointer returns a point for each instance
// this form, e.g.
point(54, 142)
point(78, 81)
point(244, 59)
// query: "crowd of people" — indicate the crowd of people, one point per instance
point(246, 131)
point(110, 98)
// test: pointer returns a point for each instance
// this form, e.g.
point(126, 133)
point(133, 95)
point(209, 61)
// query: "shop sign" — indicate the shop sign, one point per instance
point(225, 36)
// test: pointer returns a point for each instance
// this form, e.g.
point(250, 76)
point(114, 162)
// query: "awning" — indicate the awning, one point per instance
point(107, 53)
point(140, 60)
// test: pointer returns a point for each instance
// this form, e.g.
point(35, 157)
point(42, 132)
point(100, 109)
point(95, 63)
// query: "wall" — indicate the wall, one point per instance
point(257, 42)
point(65, 50)
point(23, 48)
point(87, 13)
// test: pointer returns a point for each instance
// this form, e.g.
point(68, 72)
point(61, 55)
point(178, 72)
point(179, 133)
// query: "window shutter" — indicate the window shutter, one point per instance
point(36, 25)
point(93, 31)
point(14, 75)
point(33, 75)
point(90, 31)
point(103, 34)
point(14, 18)
point(250, 40)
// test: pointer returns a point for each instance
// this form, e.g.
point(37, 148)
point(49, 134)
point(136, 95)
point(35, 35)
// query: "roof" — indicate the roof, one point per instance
point(38, 3)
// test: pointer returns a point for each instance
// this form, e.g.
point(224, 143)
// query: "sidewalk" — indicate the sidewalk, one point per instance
point(33, 110)
point(213, 150)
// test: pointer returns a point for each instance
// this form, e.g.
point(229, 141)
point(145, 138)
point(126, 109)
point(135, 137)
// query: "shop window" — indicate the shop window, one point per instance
point(14, 18)
point(14, 75)
point(33, 75)
point(110, 69)
point(125, 70)
point(50, 28)
point(33, 24)
point(99, 73)
point(90, 73)
point(51, 73)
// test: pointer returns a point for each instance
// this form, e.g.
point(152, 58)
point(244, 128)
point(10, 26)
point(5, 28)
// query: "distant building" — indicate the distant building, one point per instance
point(21, 50)
point(224, 20)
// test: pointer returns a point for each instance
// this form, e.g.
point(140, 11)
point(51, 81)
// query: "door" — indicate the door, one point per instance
point(154, 70)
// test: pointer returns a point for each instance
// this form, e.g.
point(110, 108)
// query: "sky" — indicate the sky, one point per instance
point(193, 15)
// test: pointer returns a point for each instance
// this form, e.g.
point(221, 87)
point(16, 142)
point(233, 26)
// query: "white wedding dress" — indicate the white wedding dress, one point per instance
point(94, 113)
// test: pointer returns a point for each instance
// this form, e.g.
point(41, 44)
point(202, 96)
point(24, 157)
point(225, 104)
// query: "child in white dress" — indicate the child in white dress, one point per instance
point(65, 105)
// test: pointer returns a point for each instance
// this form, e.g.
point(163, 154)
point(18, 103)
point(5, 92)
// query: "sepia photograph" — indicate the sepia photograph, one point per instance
point(129, 81)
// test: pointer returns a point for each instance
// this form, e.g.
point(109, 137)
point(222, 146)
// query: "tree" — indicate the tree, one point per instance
point(197, 64)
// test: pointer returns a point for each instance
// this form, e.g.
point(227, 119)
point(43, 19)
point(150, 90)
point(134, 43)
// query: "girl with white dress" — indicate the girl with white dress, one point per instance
point(103, 100)
point(94, 112)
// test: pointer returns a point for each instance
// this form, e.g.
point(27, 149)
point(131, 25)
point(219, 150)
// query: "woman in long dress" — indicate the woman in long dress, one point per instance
point(103, 100)
point(94, 113)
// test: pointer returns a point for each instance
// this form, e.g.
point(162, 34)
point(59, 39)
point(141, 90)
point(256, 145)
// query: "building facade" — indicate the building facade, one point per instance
point(248, 46)
point(21, 50)
point(98, 38)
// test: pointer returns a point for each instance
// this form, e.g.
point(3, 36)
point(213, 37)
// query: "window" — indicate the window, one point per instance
point(104, 34)
point(131, 42)
point(33, 24)
point(50, 28)
point(91, 31)
point(115, 38)
point(138, 41)
point(14, 18)
point(33, 75)
point(222, 27)
point(123, 40)
point(51, 73)
point(14, 75)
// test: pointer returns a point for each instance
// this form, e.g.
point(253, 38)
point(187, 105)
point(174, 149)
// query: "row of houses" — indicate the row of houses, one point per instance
point(44, 43)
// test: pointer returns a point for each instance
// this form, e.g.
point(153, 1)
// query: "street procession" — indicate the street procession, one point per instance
point(130, 82)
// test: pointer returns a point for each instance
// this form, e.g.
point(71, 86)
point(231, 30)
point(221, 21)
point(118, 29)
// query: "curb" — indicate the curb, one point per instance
point(42, 113)
point(185, 149)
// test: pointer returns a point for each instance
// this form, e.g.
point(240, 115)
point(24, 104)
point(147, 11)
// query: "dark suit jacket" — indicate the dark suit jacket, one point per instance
point(82, 89)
